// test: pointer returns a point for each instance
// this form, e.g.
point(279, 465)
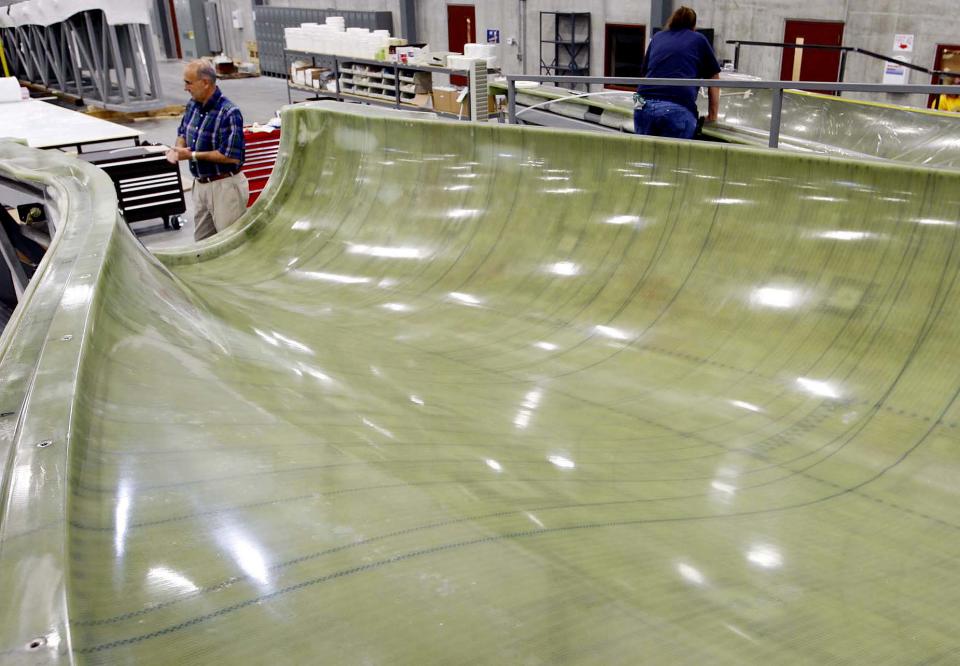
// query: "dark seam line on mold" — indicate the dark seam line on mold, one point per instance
point(455, 546)
point(842, 490)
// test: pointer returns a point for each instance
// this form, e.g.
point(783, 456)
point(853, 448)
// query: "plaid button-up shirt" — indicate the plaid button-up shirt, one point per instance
point(217, 125)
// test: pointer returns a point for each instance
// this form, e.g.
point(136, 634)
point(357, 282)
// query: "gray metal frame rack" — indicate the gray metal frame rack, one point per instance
point(113, 66)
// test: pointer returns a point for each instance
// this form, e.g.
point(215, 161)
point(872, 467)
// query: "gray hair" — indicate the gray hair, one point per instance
point(204, 70)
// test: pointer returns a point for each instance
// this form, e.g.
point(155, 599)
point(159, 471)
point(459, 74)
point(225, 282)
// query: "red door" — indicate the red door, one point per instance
point(461, 29)
point(811, 64)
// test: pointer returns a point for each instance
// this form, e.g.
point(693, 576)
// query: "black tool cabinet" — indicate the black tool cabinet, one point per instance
point(148, 186)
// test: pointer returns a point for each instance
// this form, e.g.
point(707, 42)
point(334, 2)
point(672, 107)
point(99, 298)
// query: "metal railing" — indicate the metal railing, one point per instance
point(844, 50)
point(776, 88)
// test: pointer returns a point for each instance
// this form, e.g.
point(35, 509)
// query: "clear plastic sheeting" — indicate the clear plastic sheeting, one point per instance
point(608, 110)
point(560, 107)
point(810, 122)
point(837, 126)
point(463, 393)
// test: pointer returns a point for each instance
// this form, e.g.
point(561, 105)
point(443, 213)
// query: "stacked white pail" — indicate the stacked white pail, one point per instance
point(334, 38)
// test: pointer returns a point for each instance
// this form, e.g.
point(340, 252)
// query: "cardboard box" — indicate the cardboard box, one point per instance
point(306, 75)
point(315, 76)
point(297, 72)
point(445, 100)
point(405, 53)
point(423, 82)
point(422, 100)
point(226, 68)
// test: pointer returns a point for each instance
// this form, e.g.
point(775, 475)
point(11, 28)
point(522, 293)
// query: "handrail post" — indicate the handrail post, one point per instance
point(736, 57)
point(396, 85)
point(843, 68)
point(511, 101)
point(777, 107)
point(336, 78)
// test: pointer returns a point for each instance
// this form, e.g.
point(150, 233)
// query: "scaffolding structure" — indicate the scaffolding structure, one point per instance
point(101, 52)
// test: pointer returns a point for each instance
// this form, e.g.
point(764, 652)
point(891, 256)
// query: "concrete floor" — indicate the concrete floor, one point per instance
point(259, 99)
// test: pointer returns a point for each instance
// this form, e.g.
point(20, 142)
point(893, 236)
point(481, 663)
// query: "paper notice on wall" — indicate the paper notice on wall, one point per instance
point(896, 73)
point(9, 89)
point(903, 43)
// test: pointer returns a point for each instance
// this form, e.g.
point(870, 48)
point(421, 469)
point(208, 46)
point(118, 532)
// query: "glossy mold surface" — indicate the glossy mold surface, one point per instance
point(463, 393)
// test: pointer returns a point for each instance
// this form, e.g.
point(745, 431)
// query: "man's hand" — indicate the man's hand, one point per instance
point(178, 153)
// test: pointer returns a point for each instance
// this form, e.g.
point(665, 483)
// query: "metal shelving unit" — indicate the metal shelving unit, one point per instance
point(565, 45)
point(378, 76)
point(380, 81)
point(316, 60)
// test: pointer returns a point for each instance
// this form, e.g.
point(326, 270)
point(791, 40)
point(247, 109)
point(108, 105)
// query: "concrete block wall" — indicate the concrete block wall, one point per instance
point(505, 16)
point(872, 24)
point(869, 24)
point(759, 20)
point(392, 6)
point(235, 40)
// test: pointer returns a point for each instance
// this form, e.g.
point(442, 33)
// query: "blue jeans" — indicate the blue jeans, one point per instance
point(661, 118)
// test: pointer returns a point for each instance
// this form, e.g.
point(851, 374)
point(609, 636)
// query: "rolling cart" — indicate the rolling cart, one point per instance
point(148, 186)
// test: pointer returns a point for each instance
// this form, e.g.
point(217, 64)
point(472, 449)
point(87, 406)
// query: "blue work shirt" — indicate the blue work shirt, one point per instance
point(678, 54)
point(217, 125)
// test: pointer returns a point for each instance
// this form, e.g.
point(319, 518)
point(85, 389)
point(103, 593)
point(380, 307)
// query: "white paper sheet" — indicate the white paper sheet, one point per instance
point(9, 89)
point(44, 125)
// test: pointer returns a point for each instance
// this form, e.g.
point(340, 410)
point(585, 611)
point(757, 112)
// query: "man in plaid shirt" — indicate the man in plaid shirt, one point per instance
point(211, 137)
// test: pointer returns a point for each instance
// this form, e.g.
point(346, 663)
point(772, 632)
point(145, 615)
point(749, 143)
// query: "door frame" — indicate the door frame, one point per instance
point(938, 64)
point(606, 49)
point(783, 54)
point(456, 79)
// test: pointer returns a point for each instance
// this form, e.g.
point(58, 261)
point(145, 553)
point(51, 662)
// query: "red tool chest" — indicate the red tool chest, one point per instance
point(262, 144)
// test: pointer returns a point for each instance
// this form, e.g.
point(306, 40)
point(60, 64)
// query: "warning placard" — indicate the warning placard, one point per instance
point(903, 44)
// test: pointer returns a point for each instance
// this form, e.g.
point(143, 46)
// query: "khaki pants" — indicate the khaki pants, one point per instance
point(218, 204)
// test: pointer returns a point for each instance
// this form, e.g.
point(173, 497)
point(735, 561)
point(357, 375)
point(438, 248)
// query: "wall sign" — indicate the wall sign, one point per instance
point(903, 44)
point(896, 73)
point(493, 36)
